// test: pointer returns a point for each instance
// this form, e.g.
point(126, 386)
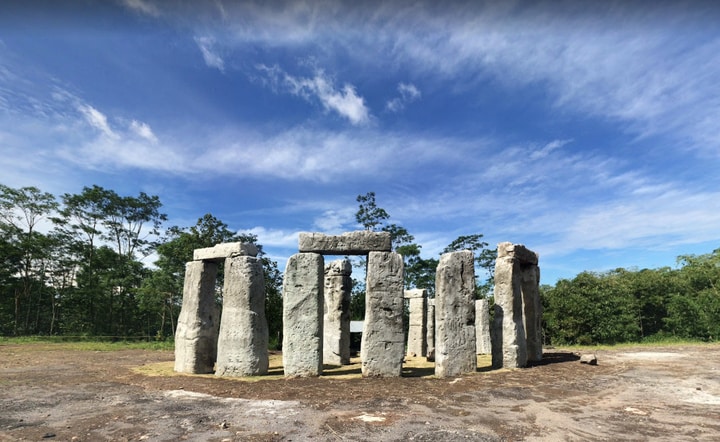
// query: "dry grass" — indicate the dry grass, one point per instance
point(412, 367)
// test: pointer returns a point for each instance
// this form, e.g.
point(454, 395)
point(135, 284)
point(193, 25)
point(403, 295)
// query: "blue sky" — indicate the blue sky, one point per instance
point(588, 131)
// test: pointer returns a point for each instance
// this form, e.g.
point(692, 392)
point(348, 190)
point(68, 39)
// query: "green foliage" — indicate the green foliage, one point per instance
point(630, 306)
point(369, 215)
point(84, 277)
point(357, 301)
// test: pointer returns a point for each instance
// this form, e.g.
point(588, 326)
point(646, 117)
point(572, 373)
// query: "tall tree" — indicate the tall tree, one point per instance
point(369, 215)
point(21, 211)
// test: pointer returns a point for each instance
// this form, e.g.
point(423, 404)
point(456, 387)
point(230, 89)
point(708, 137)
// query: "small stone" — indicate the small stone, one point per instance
point(588, 358)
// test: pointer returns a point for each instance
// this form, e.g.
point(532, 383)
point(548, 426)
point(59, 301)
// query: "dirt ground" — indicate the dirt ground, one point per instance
point(48, 392)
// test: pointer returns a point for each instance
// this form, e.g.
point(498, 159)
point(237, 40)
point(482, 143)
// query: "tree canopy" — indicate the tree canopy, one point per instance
point(72, 266)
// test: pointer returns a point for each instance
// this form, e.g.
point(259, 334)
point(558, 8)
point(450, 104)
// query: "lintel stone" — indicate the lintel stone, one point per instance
point(518, 251)
point(415, 293)
point(219, 252)
point(360, 242)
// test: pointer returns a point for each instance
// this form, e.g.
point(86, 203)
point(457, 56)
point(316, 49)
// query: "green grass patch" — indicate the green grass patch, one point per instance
point(82, 343)
point(651, 341)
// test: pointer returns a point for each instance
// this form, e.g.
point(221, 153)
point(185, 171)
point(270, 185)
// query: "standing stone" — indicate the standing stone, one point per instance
point(417, 327)
point(455, 314)
point(336, 317)
point(197, 328)
point(243, 338)
point(302, 315)
point(430, 330)
point(482, 327)
point(509, 338)
point(383, 342)
point(532, 312)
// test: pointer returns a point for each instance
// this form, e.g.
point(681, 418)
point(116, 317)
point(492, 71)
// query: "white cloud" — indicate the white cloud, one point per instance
point(652, 69)
point(408, 93)
point(97, 119)
point(143, 7)
point(345, 101)
point(210, 55)
point(548, 148)
point(274, 237)
point(143, 130)
point(336, 221)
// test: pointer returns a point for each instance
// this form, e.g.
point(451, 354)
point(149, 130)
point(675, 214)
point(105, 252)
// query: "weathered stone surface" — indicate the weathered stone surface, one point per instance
point(516, 330)
point(509, 342)
point(383, 344)
point(518, 251)
point(532, 311)
point(302, 315)
point(243, 338)
point(417, 322)
point(199, 320)
point(336, 317)
point(360, 242)
point(430, 356)
point(482, 327)
point(455, 315)
point(588, 358)
point(415, 293)
point(219, 252)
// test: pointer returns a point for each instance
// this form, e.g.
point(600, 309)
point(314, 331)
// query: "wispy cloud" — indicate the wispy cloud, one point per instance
point(274, 237)
point(143, 130)
point(345, 100)
point(408, 93)
point(143, 7)
point(209, 53)
point(97, 119)
point(654, 71)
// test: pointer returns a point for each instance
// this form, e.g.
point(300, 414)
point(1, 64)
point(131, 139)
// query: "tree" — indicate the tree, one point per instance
point(592, 308)
point(369, 215)
point(108, 277)
point(21, 211)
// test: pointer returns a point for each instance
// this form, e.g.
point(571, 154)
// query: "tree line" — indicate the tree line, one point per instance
point(634, 305)
point(72, 265)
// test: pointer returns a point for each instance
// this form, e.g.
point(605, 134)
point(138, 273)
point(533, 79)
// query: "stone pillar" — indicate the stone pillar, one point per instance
point(302, 315)
point(509, 335)
point(430, 330)
point(243, 338)
point(455, 314)
point(336, 317)
point(482, 327)
point(197, 328)
point(383, 343)
point(532, 312)
point(417, 327)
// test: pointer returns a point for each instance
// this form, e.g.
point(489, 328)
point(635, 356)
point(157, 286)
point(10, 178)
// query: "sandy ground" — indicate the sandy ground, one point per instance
point(48, 392)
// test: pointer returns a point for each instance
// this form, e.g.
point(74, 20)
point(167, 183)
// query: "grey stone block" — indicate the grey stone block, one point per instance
point(219, 252)
point(243, 337)
point(303, 315)
point(383, 344)
point(482, 327)
point(352, 243)
point(336, 313)
point(197, 329)
point(455, 315)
